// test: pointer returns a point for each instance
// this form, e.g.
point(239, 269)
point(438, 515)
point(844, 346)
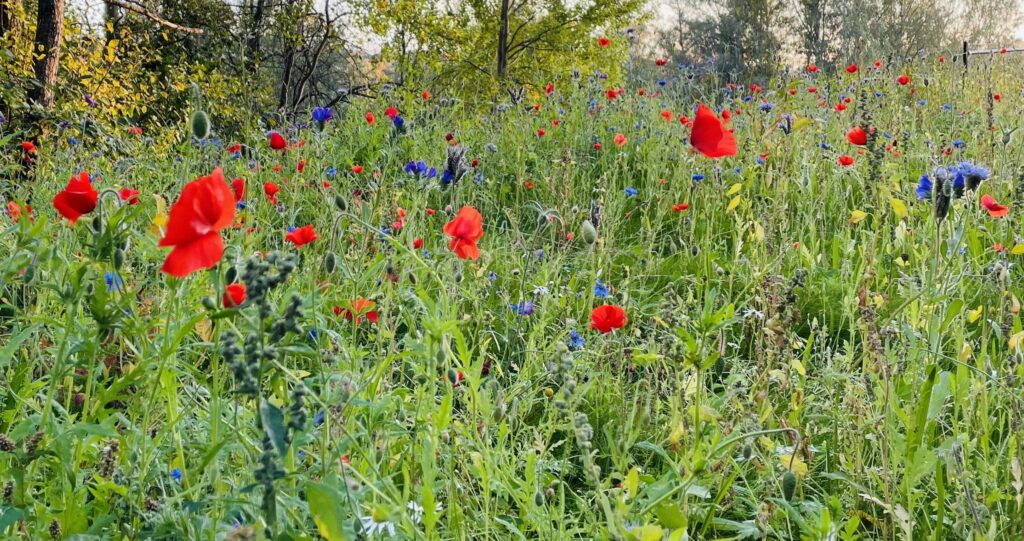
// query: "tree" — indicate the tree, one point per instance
point(49, 33)
point(741, 36)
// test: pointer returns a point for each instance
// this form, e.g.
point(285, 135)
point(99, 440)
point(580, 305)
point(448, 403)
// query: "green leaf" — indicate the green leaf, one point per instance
point(325, 504)
point(7, 353)
point(273, 425)
point(670, 516)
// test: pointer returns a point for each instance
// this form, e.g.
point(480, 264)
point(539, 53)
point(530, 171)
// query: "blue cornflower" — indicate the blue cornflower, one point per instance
point(398, 121)
point(662, 82)
point(922, 103)
point(524, 308)
point(575, 340)
point(539, 254)
point(322, 114)
point(878, 94)
point(924, 188)
point(240, 205)
point(447, 177)
point(492, 276)
point(767, 106)
point(331, 172)
point(600, 289)
point(748, 99)
point(959, 143)
point(313, 334)
point(631, 192)
point(291, 228)
point(176, 474)
point(72, 141)
point(947, 107)
point(113, 281)
point(318, 418)
point(759, 160)
point(697, 177)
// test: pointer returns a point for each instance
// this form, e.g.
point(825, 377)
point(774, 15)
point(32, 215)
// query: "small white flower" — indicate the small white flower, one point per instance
point(372, 527)
point(417, 511)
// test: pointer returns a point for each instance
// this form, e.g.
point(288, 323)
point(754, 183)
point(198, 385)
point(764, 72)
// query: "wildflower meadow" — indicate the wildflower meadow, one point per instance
point(663, 305)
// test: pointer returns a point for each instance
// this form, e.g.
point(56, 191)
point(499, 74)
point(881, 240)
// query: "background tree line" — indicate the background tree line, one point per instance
point(278, 58)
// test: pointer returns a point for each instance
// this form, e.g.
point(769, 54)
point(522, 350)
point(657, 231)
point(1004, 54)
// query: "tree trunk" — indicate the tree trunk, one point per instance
point(7, 12)
point(503, 41)
point(252, 46)
point(49, 33)
point(286, 76)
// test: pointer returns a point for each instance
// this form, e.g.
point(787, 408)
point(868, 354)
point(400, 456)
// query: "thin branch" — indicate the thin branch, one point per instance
point(141, 10)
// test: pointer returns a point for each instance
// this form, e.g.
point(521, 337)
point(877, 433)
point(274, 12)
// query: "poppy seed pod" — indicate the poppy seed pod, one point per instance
point(200, 125)
point(209, 303)
point(340, 203)
point(588, 232)
point(118, 258)
point(788, 485)
point(231, 275)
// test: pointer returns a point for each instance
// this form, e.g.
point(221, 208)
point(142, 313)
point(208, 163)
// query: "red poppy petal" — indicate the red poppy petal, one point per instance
point(201, 253)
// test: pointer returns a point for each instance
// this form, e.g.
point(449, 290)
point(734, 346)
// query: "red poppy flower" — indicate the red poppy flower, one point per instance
point(277, 141)
point(857, 136)
point(234, 148)
point(370, 119)
point(270, 190)
point(78, 198)
point(431, 212)
point(425, 95)
point(680, 207)
point(597, 146)
point(1002, 51)
point(13, 210)
point(301, 236)
point(812, 89)
point(611, 94)
point(357, 169)
point(206, 206)
point(603, 41)
point(852, 68)
point(417, 244)
point(710, 137)
point(358, 309)
point(465, 229)
point(845, 160)
point(607, 317)
point(238, 187)
point(999, 247)
point(812, 68)
point(667, 115)
point(129, 196)
point(840, 107)
point(661, 62)
point(549, 88)
point(620, 140)
point(903, 80)
point(391, 112)
point(29, 147)
point(234, 295)
point(994, 209)
point(540, 132)
point(878, 63)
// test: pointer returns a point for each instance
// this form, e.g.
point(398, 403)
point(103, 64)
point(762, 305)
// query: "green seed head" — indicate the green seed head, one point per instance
point(200, 125)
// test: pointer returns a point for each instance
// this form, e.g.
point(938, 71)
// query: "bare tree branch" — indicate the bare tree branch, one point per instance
point(142, 10)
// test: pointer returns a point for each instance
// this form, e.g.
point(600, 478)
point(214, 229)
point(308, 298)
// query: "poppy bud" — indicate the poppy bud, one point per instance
point(330, 263)
point(788, 485)
point(97, 225)
point(118, 258)
point(538, 498)
point(747, 452)
point(341, 203)
point(200, 125)
point(458, 277)
point(453, 376)
point(231, 276)
point(588, 232)
point(30, 273)
point(209, 303)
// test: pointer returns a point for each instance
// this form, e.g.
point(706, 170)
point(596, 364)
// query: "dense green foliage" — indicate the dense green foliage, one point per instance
point(811, 352)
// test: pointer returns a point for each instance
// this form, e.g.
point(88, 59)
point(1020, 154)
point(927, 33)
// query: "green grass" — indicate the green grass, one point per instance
point(770, 330)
